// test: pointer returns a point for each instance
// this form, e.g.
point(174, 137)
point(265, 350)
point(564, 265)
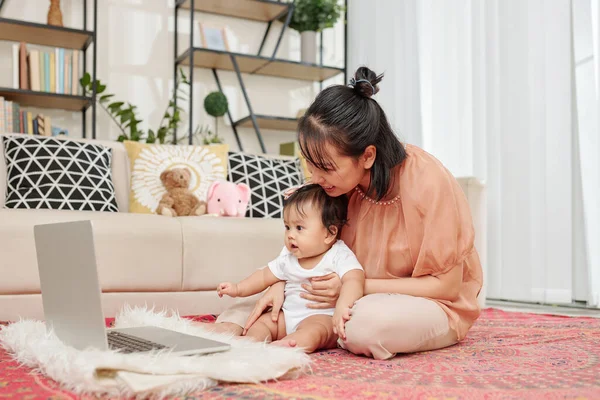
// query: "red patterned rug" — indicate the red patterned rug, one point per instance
point(506, 355)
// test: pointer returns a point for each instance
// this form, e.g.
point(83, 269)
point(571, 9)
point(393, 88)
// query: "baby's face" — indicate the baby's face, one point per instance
point(305, 235)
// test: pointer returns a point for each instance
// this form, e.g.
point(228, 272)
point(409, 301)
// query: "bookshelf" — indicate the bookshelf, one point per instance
point(258, 65)
point(267, 11)
point(269, 122)
point(45, 35)
point(30, 98)
point(256, 10)
point(59, 37)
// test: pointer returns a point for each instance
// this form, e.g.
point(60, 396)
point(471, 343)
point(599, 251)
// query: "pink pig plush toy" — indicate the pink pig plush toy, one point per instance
point(227, 199)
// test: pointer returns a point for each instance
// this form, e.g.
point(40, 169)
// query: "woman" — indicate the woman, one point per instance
point(409, 225)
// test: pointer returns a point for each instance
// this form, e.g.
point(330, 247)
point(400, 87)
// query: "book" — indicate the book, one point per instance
point(61, 74)
point(75, 73)
point(2, 123)
point(53, 82)
point(30, 123)
point(16, 119)
point(22, 120)
point(8, 117)
point(48, 124)
point(34, 68)
point(24, 66)
point(15, 65)
point(46, 72)
point(65, 73)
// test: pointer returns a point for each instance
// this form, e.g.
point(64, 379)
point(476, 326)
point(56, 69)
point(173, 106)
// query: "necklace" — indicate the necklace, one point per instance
point(384, 203)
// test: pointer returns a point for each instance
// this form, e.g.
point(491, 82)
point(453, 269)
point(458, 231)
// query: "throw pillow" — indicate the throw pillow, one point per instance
point(268, 178)
point(148, 161)
point(59, 174)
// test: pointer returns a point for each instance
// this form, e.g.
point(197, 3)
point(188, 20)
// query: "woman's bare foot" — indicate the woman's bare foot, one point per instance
point(285, 342)
point(221, 327)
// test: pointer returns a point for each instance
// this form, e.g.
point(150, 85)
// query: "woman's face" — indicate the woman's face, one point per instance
point(344, 173)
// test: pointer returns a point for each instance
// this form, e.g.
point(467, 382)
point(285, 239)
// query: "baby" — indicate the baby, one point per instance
point(313, 222)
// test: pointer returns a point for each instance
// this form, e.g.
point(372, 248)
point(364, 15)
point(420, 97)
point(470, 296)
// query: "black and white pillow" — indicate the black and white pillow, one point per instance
point(268, 178)
point(58, 174)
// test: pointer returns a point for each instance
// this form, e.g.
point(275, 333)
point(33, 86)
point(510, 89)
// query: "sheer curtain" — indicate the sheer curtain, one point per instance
point(586, 151)
point(495, 91)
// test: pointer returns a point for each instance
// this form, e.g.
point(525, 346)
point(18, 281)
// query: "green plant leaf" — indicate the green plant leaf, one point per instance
point(105, 98)
point(315, 15)
point(86, 79)
point(151, 138)
point(100, 87)
point(116, 105)
point(126, 115)
point(122, 138)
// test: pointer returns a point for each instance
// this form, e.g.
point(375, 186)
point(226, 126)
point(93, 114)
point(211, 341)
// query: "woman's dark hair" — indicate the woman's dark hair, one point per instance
point(334, 210)
point(349, 119)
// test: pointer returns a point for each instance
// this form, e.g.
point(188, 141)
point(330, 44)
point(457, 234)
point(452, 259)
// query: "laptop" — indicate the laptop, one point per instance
point(71, 298)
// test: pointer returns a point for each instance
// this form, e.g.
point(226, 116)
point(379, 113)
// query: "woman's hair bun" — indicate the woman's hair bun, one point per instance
point(365, 82)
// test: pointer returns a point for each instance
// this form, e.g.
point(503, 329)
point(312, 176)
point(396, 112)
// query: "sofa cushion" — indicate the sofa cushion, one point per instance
point(50, 173)
point(268, 178)
point(134, 252)
point(218, 249)
point(148, 161)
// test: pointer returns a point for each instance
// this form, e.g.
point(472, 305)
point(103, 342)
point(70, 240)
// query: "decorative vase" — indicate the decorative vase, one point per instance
point(54, 13)
point(308, 47)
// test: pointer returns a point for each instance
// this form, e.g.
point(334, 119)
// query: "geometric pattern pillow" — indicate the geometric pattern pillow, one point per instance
point(268, 179)
point(58, 174)
point(148, 161)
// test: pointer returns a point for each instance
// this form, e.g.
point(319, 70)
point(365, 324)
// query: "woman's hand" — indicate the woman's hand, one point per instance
point(323, 291)
point(273, 297)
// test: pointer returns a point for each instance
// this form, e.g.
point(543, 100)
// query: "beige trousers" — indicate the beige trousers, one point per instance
point(382, 325)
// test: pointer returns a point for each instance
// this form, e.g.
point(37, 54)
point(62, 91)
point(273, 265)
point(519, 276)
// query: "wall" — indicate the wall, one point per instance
point(135, 60)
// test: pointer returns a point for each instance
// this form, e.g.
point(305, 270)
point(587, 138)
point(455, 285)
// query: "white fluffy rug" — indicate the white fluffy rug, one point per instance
point(155, 375)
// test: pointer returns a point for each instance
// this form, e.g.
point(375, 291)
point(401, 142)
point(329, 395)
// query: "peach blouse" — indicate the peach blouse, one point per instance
point(427, 230)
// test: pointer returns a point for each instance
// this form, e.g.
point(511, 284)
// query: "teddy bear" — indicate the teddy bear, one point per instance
point(179, 200)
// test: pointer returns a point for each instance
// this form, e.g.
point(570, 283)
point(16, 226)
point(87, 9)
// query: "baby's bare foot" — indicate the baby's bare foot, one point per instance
point(285, 343)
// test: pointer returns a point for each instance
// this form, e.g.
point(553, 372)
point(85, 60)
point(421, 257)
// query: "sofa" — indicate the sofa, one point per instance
point(149, 260)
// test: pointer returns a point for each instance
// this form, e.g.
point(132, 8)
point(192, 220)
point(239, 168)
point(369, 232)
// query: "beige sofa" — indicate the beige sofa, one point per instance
point(166, 262)
point(172, 263)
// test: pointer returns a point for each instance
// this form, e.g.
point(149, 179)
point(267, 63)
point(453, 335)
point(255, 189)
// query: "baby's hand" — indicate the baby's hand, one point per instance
point(228, 288)
point(340, 317)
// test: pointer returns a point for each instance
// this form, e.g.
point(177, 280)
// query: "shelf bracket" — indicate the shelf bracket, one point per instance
point(285, 25)
point(233, 126)
point(264, 39)
point(252, 116)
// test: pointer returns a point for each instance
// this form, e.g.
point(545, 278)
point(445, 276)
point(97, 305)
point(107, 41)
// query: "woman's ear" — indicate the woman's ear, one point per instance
point(331, 234)
point(368, 156)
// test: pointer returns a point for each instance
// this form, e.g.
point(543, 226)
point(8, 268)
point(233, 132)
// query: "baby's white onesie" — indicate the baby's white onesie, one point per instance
point(339, 259)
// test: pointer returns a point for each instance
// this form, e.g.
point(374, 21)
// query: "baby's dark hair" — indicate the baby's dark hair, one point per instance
point(334, 210)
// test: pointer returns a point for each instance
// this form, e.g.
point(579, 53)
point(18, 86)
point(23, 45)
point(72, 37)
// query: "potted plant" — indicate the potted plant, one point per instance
point(216, 105)
point(310, 17)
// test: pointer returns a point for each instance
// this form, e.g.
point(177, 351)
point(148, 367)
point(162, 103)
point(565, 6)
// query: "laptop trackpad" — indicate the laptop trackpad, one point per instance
point(178, 342)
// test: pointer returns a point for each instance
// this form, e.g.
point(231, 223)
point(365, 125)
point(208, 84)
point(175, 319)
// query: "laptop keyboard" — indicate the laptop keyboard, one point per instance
point(130, 344)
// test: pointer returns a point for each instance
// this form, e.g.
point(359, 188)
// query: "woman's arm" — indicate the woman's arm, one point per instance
point(444, 286)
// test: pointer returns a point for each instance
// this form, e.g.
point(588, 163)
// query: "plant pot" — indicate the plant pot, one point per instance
point(308, 47)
